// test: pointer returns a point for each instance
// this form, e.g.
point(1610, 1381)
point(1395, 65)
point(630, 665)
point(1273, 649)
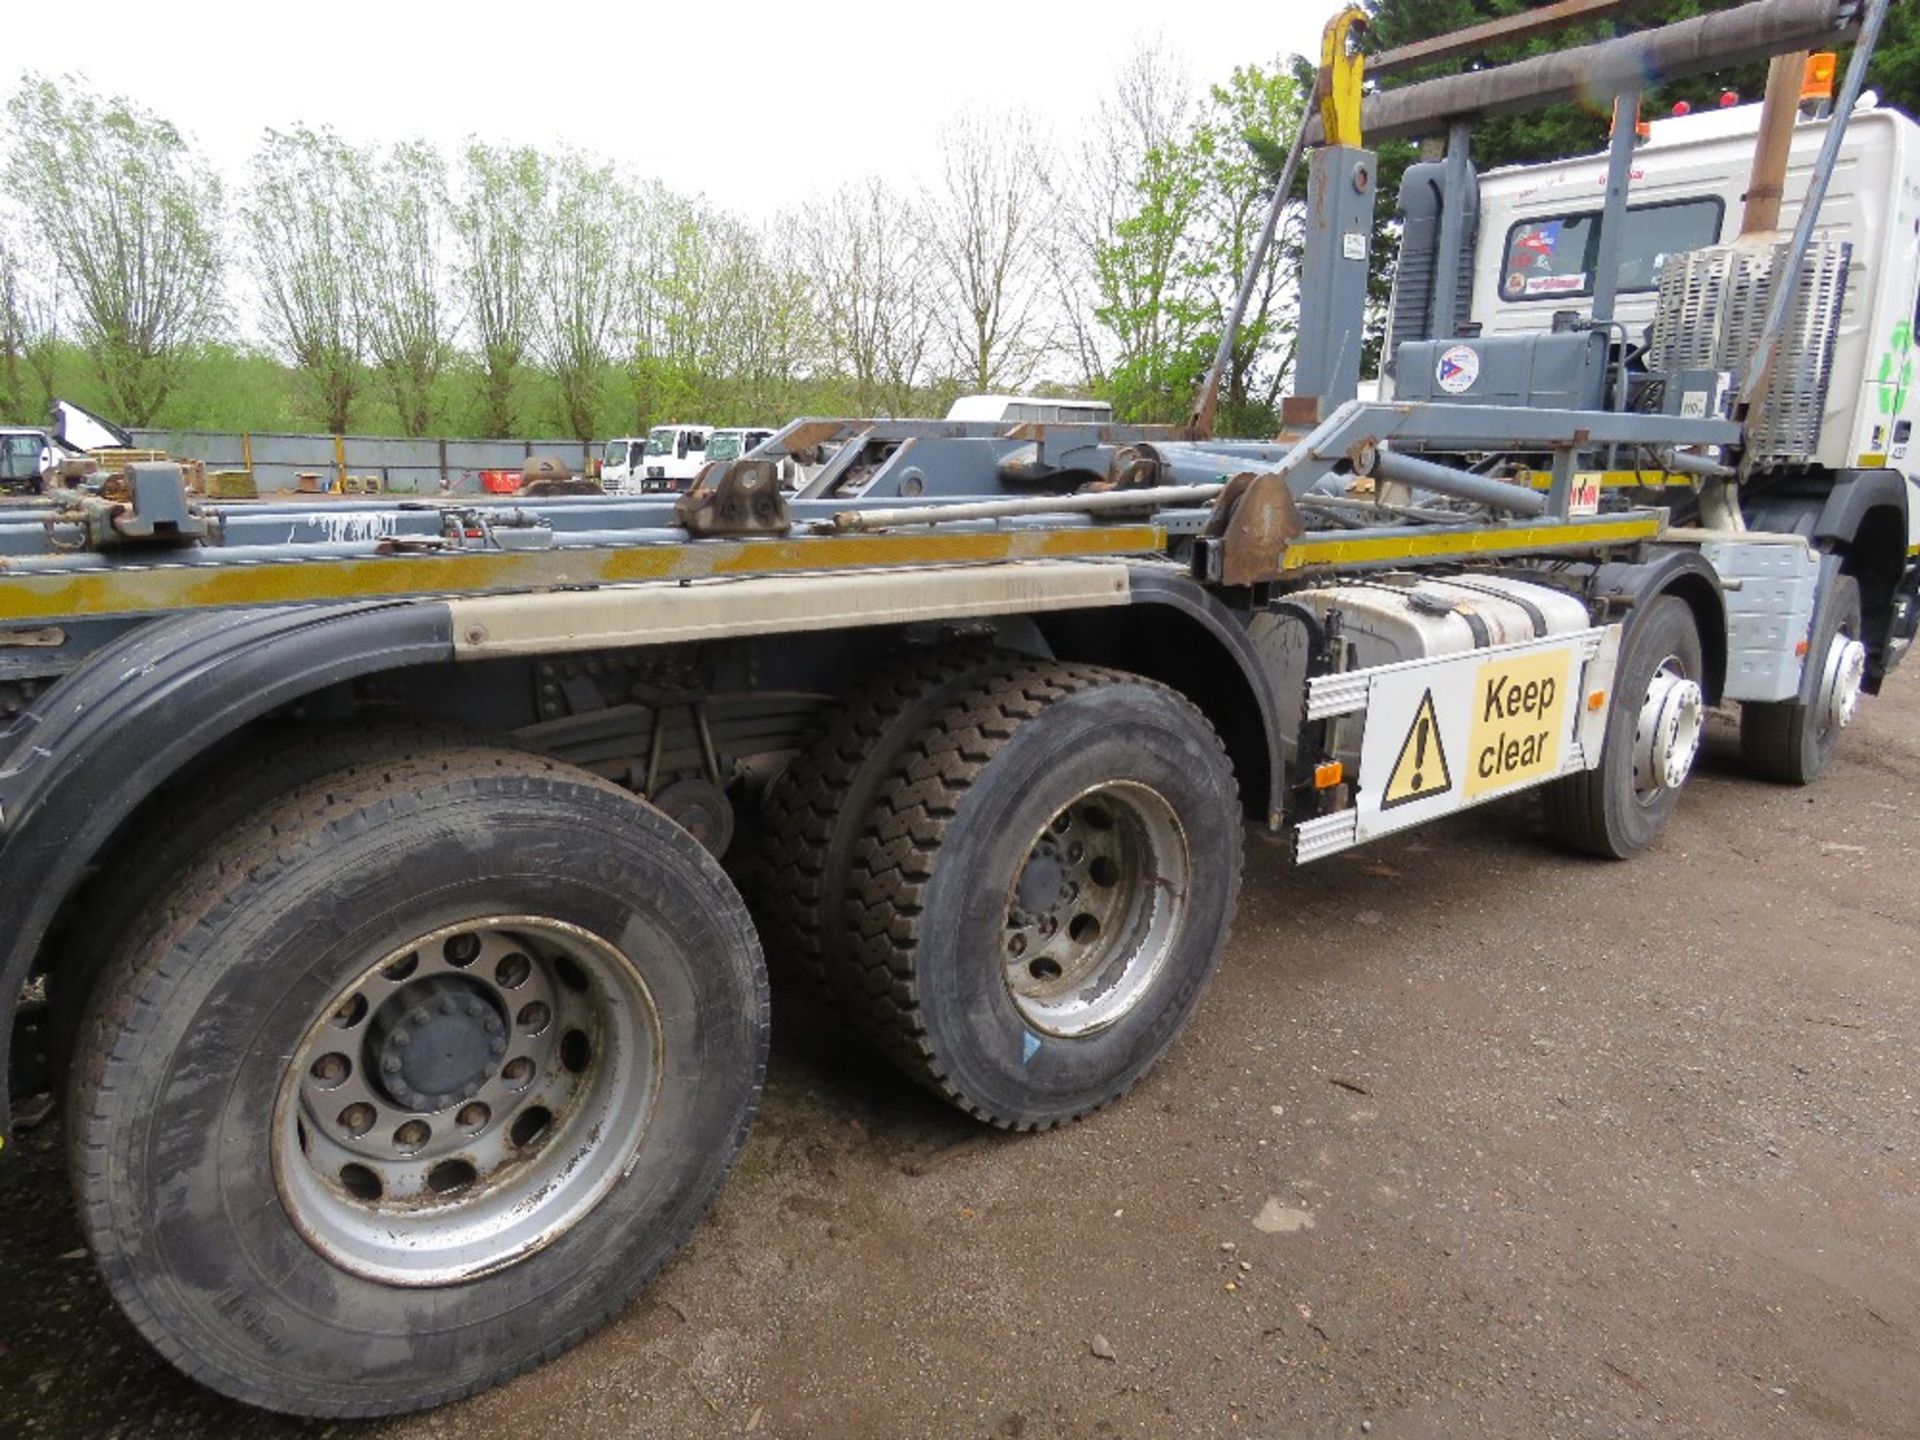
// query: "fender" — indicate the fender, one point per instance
point(1178, 632)
point(135, 714)
point(1683, 573)
point(1867, 515)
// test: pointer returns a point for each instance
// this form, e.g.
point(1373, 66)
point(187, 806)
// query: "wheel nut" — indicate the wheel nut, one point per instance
point(391, 1065)
point(497, 1045)
point(1076, 852)
point(1017, 945)
point(419, 1015)
point(474, 1007)
point(494, 1027)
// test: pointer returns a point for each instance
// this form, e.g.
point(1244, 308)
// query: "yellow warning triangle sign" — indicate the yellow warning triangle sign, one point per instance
point(1421, 771)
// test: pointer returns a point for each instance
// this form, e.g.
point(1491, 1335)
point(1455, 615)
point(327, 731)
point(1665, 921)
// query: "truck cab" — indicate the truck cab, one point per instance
point(1527, 269)
point(674, 455)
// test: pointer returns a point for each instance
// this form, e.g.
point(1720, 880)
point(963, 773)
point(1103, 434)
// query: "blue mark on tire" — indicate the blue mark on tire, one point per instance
point(1029, 1047)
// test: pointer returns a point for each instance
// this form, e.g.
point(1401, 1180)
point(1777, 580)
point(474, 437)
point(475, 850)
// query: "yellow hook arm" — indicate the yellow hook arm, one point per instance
point(1342, 67)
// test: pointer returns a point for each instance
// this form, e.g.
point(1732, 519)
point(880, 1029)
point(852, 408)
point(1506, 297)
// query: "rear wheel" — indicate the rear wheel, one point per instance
point(1653, 736)
point(414, 1081)
point(1792, 742)
point(1044, 891)
point(236, 786)
point(818, 809)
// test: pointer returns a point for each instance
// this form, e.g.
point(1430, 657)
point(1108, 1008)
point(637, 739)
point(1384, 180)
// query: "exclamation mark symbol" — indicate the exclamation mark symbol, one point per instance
point(1420, 755)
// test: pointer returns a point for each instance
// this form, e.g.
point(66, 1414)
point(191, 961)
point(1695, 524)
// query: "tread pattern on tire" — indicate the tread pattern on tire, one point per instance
point(894, 861)
point(318, 813)
point(806, 810)
point(250, 779)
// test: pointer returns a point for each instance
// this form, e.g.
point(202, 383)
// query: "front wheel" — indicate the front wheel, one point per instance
point(1653, 736)
point(414, 1081)
point(1792, 742)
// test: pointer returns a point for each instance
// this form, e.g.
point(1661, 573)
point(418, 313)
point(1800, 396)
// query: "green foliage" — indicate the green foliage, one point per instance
point(132, 217)
point(1169, 265)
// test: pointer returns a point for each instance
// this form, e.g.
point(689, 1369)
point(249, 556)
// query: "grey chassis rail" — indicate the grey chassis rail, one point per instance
point(51, 567)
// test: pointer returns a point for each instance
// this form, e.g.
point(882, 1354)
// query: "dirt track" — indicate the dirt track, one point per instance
point(1470, 1138)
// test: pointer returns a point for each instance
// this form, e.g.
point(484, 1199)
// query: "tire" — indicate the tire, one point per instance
point(817, 811)
point(971, 851)
point(1607, 811)
point(1791, 742)
point(207, 1159)
point(238, 786)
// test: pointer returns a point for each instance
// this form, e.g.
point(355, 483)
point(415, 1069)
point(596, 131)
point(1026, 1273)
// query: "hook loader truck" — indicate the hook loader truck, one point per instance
point(385, 887)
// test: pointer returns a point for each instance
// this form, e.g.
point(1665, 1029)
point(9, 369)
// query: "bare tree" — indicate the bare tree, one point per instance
point(869, 263)
point(133, 217)
point(497, 218)
point(987, 226)
point(402, 262)
point(303, 221)
point(580, 283)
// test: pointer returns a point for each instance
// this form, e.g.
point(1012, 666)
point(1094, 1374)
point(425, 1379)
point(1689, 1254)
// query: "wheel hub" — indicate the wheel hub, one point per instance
point(1841, 679)
point(1095, 909)
point(465, 1100)
point(437, 1042)
point(1667, 732)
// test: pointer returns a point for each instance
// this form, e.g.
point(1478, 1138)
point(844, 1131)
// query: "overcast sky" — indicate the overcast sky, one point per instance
point(756, 106)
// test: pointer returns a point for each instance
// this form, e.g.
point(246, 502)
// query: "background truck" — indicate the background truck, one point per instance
point(384, 888)
point(666, 458)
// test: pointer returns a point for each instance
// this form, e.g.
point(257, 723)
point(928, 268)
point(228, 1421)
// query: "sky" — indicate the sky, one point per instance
point(756, 106)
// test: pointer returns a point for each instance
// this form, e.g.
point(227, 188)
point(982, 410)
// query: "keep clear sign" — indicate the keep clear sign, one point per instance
point(1447, 733)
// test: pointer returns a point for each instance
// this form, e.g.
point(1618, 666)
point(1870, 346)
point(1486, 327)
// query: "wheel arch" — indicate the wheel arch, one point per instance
point(1689, 578)
point(1178, 633)
point(76, 771)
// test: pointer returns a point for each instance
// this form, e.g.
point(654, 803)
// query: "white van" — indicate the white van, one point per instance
point(1020, 409)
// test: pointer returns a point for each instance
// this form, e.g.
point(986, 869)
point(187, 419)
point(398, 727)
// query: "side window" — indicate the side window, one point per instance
point(1553, 257)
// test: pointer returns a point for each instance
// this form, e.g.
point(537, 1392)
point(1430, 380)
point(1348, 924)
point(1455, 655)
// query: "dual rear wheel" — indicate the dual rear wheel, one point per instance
point(396, 1083)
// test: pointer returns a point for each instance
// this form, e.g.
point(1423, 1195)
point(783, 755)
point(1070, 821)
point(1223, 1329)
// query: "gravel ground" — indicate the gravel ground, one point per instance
point(1469, 1138)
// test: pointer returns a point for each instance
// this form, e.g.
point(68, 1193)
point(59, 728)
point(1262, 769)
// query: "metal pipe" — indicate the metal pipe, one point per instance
point(1759, 376)
point(1706, 43)
point(1682, 462)
point(1207, 405)
point(1158, 498)
point(1767, 180)
point(1613, 213)
point(1461, 485)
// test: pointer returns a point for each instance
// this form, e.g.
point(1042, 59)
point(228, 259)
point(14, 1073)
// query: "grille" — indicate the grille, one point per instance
point(1712, 308)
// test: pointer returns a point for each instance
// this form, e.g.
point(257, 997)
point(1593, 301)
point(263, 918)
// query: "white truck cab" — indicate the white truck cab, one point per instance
point(667, 457)
point(1539, 227)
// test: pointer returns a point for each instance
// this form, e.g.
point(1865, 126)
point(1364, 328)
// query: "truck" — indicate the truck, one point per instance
point(386, 890)
point(666, 458)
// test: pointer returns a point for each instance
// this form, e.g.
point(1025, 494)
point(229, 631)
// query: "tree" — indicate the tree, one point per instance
point(869, 264)
point(987, 227)
point(496, 219)
point(1249, 119)
point(1144, 109)
point(133, 216)
point(304, 221)
point(29, 325)
point(402, 262)
point(580, 283)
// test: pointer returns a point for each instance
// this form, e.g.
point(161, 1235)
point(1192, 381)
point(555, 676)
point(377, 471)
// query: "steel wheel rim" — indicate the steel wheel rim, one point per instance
point(471, 1154)
point(1096, 909)
point(1667, 732)
point(1841, 679)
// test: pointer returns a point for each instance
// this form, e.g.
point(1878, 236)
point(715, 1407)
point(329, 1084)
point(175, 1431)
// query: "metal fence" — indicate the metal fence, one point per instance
point(423, 466)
